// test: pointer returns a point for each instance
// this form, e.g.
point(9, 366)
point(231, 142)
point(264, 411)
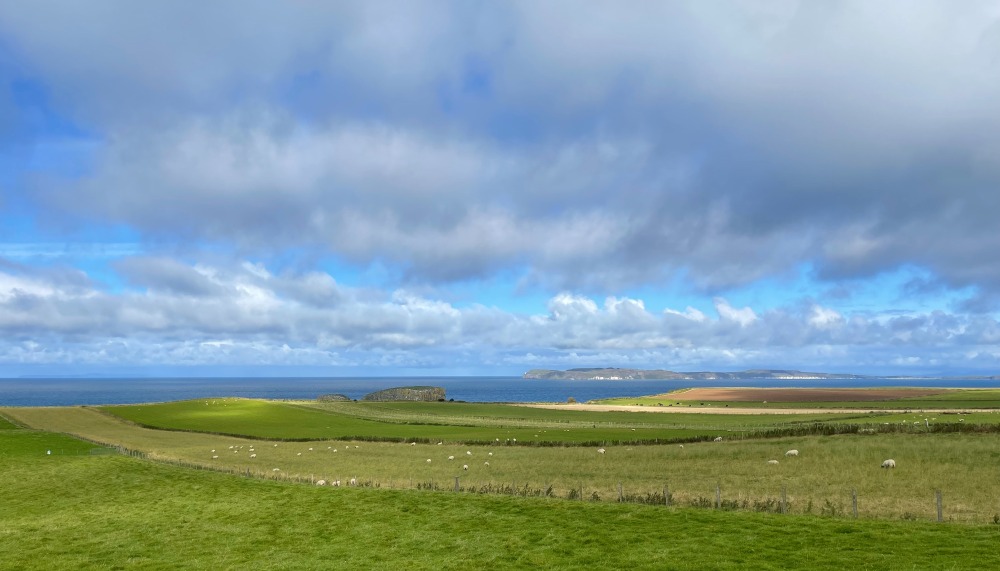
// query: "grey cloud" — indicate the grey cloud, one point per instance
point(614, 148)
point(166, 275)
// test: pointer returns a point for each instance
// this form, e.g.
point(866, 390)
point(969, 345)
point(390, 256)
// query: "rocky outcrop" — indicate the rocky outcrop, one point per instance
point(332, 397)
point(427, 394)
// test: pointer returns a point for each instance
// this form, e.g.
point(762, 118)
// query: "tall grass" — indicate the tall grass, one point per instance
point(962, 465)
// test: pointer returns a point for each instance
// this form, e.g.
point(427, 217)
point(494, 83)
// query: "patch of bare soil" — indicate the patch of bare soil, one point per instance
point(799, 395)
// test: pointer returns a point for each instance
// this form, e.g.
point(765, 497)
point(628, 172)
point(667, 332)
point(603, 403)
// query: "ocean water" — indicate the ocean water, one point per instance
point(89, 391)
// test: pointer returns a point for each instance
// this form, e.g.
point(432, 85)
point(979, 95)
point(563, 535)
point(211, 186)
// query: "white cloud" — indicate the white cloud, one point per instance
point(744, 316)
point(822, 317)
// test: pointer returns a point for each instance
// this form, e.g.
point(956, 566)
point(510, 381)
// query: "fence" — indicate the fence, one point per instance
point(709, 498)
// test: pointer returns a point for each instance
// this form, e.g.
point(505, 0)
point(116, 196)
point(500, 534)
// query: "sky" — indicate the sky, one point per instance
point(482, 188)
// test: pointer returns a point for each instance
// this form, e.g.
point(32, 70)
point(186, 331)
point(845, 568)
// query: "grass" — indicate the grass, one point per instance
point(453, 422)
point(113, 512)
point(952, 399)
point(819, 481)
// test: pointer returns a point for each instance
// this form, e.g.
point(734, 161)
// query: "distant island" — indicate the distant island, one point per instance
point(616, 374)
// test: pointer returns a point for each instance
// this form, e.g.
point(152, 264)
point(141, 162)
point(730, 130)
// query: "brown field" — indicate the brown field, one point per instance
point(798, 395)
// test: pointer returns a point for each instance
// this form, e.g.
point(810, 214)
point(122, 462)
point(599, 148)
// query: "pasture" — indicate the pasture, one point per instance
point(860, 399)
point(113, 512)
point(964, 466)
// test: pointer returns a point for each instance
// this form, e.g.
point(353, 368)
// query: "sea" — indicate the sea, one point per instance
point(94, 391)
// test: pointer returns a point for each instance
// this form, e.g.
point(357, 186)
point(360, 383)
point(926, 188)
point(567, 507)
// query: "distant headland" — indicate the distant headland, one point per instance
point(617, 374)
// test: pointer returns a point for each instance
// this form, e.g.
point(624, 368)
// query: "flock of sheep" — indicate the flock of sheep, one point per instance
point(889, 463)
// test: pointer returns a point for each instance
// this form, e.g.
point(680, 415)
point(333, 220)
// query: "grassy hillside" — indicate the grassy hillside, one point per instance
point(455, 422)
point(113, 512)
point(818, 481)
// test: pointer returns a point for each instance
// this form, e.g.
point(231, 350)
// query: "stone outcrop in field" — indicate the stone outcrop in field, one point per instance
point(333, 397)
point(407, 393)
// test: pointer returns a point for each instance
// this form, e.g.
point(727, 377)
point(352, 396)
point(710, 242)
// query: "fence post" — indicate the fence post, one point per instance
point(456, 483)
point(939, 514)
point(784, 499)
point(619, 492)
point(666, 496)
point(718, 496)
point(854, 502)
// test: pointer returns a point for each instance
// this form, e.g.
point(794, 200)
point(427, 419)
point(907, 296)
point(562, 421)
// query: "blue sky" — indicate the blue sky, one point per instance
point(484, 188)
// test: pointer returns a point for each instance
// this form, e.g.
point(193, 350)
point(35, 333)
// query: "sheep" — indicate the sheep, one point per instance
point(428, 460)
point(772, 461)
point(792, 453)
point(213, 451)
point(320, 482)
point(890, 463)
point(601, 451)
point(440, 443)
point(215, 457)
point(413, 444)
point(451, 457)
point(253, 455)
point(335, 483)
point(486, 463)
point(490, 453)
point(718, 439)
point(468, 452)
point(354, 481)
point(681, 445)
point(310, 449)
point(276, 470)
point(465, 467)
point(299, 454)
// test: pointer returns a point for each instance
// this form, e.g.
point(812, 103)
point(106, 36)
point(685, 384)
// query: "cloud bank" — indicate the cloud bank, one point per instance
point(580, 152)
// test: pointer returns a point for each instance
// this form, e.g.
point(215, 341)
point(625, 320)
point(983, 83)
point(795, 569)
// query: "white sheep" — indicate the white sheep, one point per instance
point(253, 455)
point(772, 461)
point(276, 470)
point(468, 452)
point(792, 453)
point(681, 445)
point(310, 449)
point(601, 451)
point(215, 457)
point(451, 457)
point(486, 463)
point(718, 439)
point(490, 453)
point(890, 463)
point(428, 460)
point(465, 467)
point(354, 481)
point(320, 482)
point(299, 454)
point(336, 483)
point(213, 451)
point(413, 444)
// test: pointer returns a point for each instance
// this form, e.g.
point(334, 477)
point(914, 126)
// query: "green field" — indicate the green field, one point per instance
point(81, 511)
point(453, 422)
point(819, 481)
point(952, 399)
